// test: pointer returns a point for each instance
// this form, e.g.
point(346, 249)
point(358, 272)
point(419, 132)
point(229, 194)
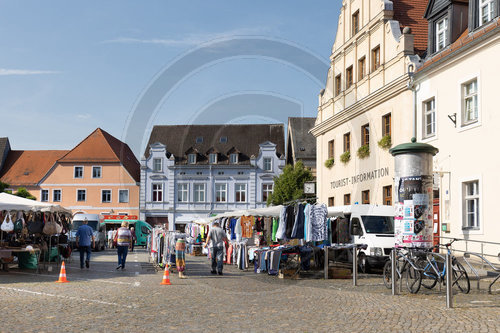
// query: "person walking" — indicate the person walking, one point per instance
point(180, 257)
point(134, 238)
point(84, 238)
point(110, 238)
point(123, 241)
point(217, 237)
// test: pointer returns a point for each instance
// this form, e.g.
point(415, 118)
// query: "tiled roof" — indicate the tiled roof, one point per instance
point(244, 138)
point(28, 167)
point(304, 143)
point(410, 13)
point(465, 39)
point(102, 147)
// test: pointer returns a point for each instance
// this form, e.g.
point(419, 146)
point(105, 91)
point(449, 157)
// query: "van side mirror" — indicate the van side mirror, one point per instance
point(356, 229)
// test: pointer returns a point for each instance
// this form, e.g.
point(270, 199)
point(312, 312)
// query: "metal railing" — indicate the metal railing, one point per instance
point(476, 273)
point(481, 252)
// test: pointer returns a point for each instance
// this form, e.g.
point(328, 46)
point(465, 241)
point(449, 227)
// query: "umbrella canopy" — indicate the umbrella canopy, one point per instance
point(13, 202)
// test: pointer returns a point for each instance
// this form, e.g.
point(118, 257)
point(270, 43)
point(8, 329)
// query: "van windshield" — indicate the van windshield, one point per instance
point(379, 224)
point(77, 224)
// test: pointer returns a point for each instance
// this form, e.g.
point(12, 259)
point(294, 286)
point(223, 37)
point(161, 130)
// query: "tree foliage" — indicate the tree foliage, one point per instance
point(290, 184)
point(22, 192)
point(3, 186)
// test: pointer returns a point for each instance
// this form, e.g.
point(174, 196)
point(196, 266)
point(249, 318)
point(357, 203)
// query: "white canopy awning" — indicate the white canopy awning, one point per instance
point(13, 202)
point(273, 211)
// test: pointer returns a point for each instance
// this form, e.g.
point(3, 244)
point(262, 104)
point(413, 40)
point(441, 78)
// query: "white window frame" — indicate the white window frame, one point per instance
point(266, 190)
point(489, 5)
point(160, 191)
point(233, 158)
point(429, 112)
point(222, 189)
point(242, 189)
point(270, 164)
point(85, 194)
point(120, 197)
point(110, 195)
point(463, 203)
point(183, 192)
point(191, 158)
point(100, 171)
point(41, 195)
point(54, 196)
point(471, 96)
point(441, 31)
point(199, 193)
point(212, 158)
point(155, 160)
point(74, 171)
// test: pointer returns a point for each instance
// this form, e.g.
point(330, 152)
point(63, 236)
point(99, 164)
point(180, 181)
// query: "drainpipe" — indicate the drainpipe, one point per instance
point(412, 86)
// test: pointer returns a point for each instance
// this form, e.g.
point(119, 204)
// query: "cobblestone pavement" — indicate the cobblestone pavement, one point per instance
point(103, 299)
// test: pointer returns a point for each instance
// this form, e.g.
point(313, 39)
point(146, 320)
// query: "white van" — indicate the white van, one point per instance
point(97, 226)
point(371, 225)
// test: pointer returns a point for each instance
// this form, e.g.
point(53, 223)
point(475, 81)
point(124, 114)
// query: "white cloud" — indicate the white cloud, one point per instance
point(190, 39)
point(84, 116)
point(5, 71)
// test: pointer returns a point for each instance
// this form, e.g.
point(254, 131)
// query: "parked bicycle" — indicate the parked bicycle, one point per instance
point(434, 270)
point(406, 268)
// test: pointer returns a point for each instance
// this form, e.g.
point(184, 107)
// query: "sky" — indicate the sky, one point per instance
point(69, 67)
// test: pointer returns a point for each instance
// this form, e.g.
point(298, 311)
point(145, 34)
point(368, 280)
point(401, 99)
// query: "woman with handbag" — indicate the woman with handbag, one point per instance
point(123, 240)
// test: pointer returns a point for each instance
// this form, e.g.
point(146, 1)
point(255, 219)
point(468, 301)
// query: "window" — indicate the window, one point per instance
point(355, 23)
point(44, 195)
point(331, 201)
point(78, 172)
point(486, 10)
point(96, 172)
point(268, 164)
point(223, 139)
point(157, 165)
point(347, 142)
point(191, 158)
point(241, 173)
point(267, 189)
point(348, 75)
point(199, 192)
point(471, 204)
point(105, 196)
point(470, 112)
point(365, 135)
point(157, 192)
point(361, 68)
point(81, 195)
point(375, 58)
point(387, 195)
point(241, 192)
point(365, 197)
point(123, 196)
point(429, 118)
point(212, 158)
point(220, 192)
point(386, 124)
point(347, 199)
point(330, 148)
point(233, 158)
point(182, 192)
point(441, 34)
point(199, 139)
point(56, 195)
point(338, 84)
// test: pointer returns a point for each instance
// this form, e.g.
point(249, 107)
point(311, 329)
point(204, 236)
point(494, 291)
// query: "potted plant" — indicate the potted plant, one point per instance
point(345, 157)
point(385, 142)
point(364, 151)
point(329, 163)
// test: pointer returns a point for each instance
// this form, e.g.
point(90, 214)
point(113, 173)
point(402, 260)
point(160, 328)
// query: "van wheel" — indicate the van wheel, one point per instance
point(363, 263)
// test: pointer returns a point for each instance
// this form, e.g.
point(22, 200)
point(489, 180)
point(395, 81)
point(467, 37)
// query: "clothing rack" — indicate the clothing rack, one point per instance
point(300, 200)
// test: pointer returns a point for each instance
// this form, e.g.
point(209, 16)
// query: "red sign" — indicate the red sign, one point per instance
point(120, 217)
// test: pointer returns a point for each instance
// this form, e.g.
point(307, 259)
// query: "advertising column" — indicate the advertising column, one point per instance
point(413, 224)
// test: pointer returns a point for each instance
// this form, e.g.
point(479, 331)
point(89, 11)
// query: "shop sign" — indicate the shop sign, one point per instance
point(360, 178)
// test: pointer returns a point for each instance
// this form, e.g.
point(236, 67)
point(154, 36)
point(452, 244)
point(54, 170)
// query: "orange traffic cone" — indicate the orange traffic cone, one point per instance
point(62, 274)
point(166, 277)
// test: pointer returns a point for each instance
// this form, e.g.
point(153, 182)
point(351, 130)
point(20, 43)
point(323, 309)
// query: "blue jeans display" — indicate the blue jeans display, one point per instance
point(83, 250)
point(217, 258)
point(122, 255)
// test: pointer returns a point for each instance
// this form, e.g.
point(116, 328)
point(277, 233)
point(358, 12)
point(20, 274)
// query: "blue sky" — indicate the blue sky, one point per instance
point(68, 67)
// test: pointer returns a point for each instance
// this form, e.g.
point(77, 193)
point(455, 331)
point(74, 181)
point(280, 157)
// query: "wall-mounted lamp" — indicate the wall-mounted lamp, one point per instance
point(453, 118)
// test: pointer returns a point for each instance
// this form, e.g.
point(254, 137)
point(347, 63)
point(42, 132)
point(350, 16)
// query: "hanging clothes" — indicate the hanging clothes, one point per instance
point(275, 229)
point(307, 224)
point(318, 214)
point(281, 232)
point(247, 223)
point(298, 226)
point(290, 221)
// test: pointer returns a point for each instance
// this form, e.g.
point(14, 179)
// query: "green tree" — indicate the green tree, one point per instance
point(22, 192)
point(290, 184)
point(3, 186)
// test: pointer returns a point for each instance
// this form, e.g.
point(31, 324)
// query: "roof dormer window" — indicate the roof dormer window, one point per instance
point(223, 139)
point(486, 10)
point(212, 158)
point(441, 34)
point(191, 158)
point(233, 158)
point(199, 139)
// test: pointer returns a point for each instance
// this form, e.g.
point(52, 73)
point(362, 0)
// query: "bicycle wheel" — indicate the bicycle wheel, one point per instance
point(387, 274)
point(460, 277)
point(413, 279)
point(429, 277)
